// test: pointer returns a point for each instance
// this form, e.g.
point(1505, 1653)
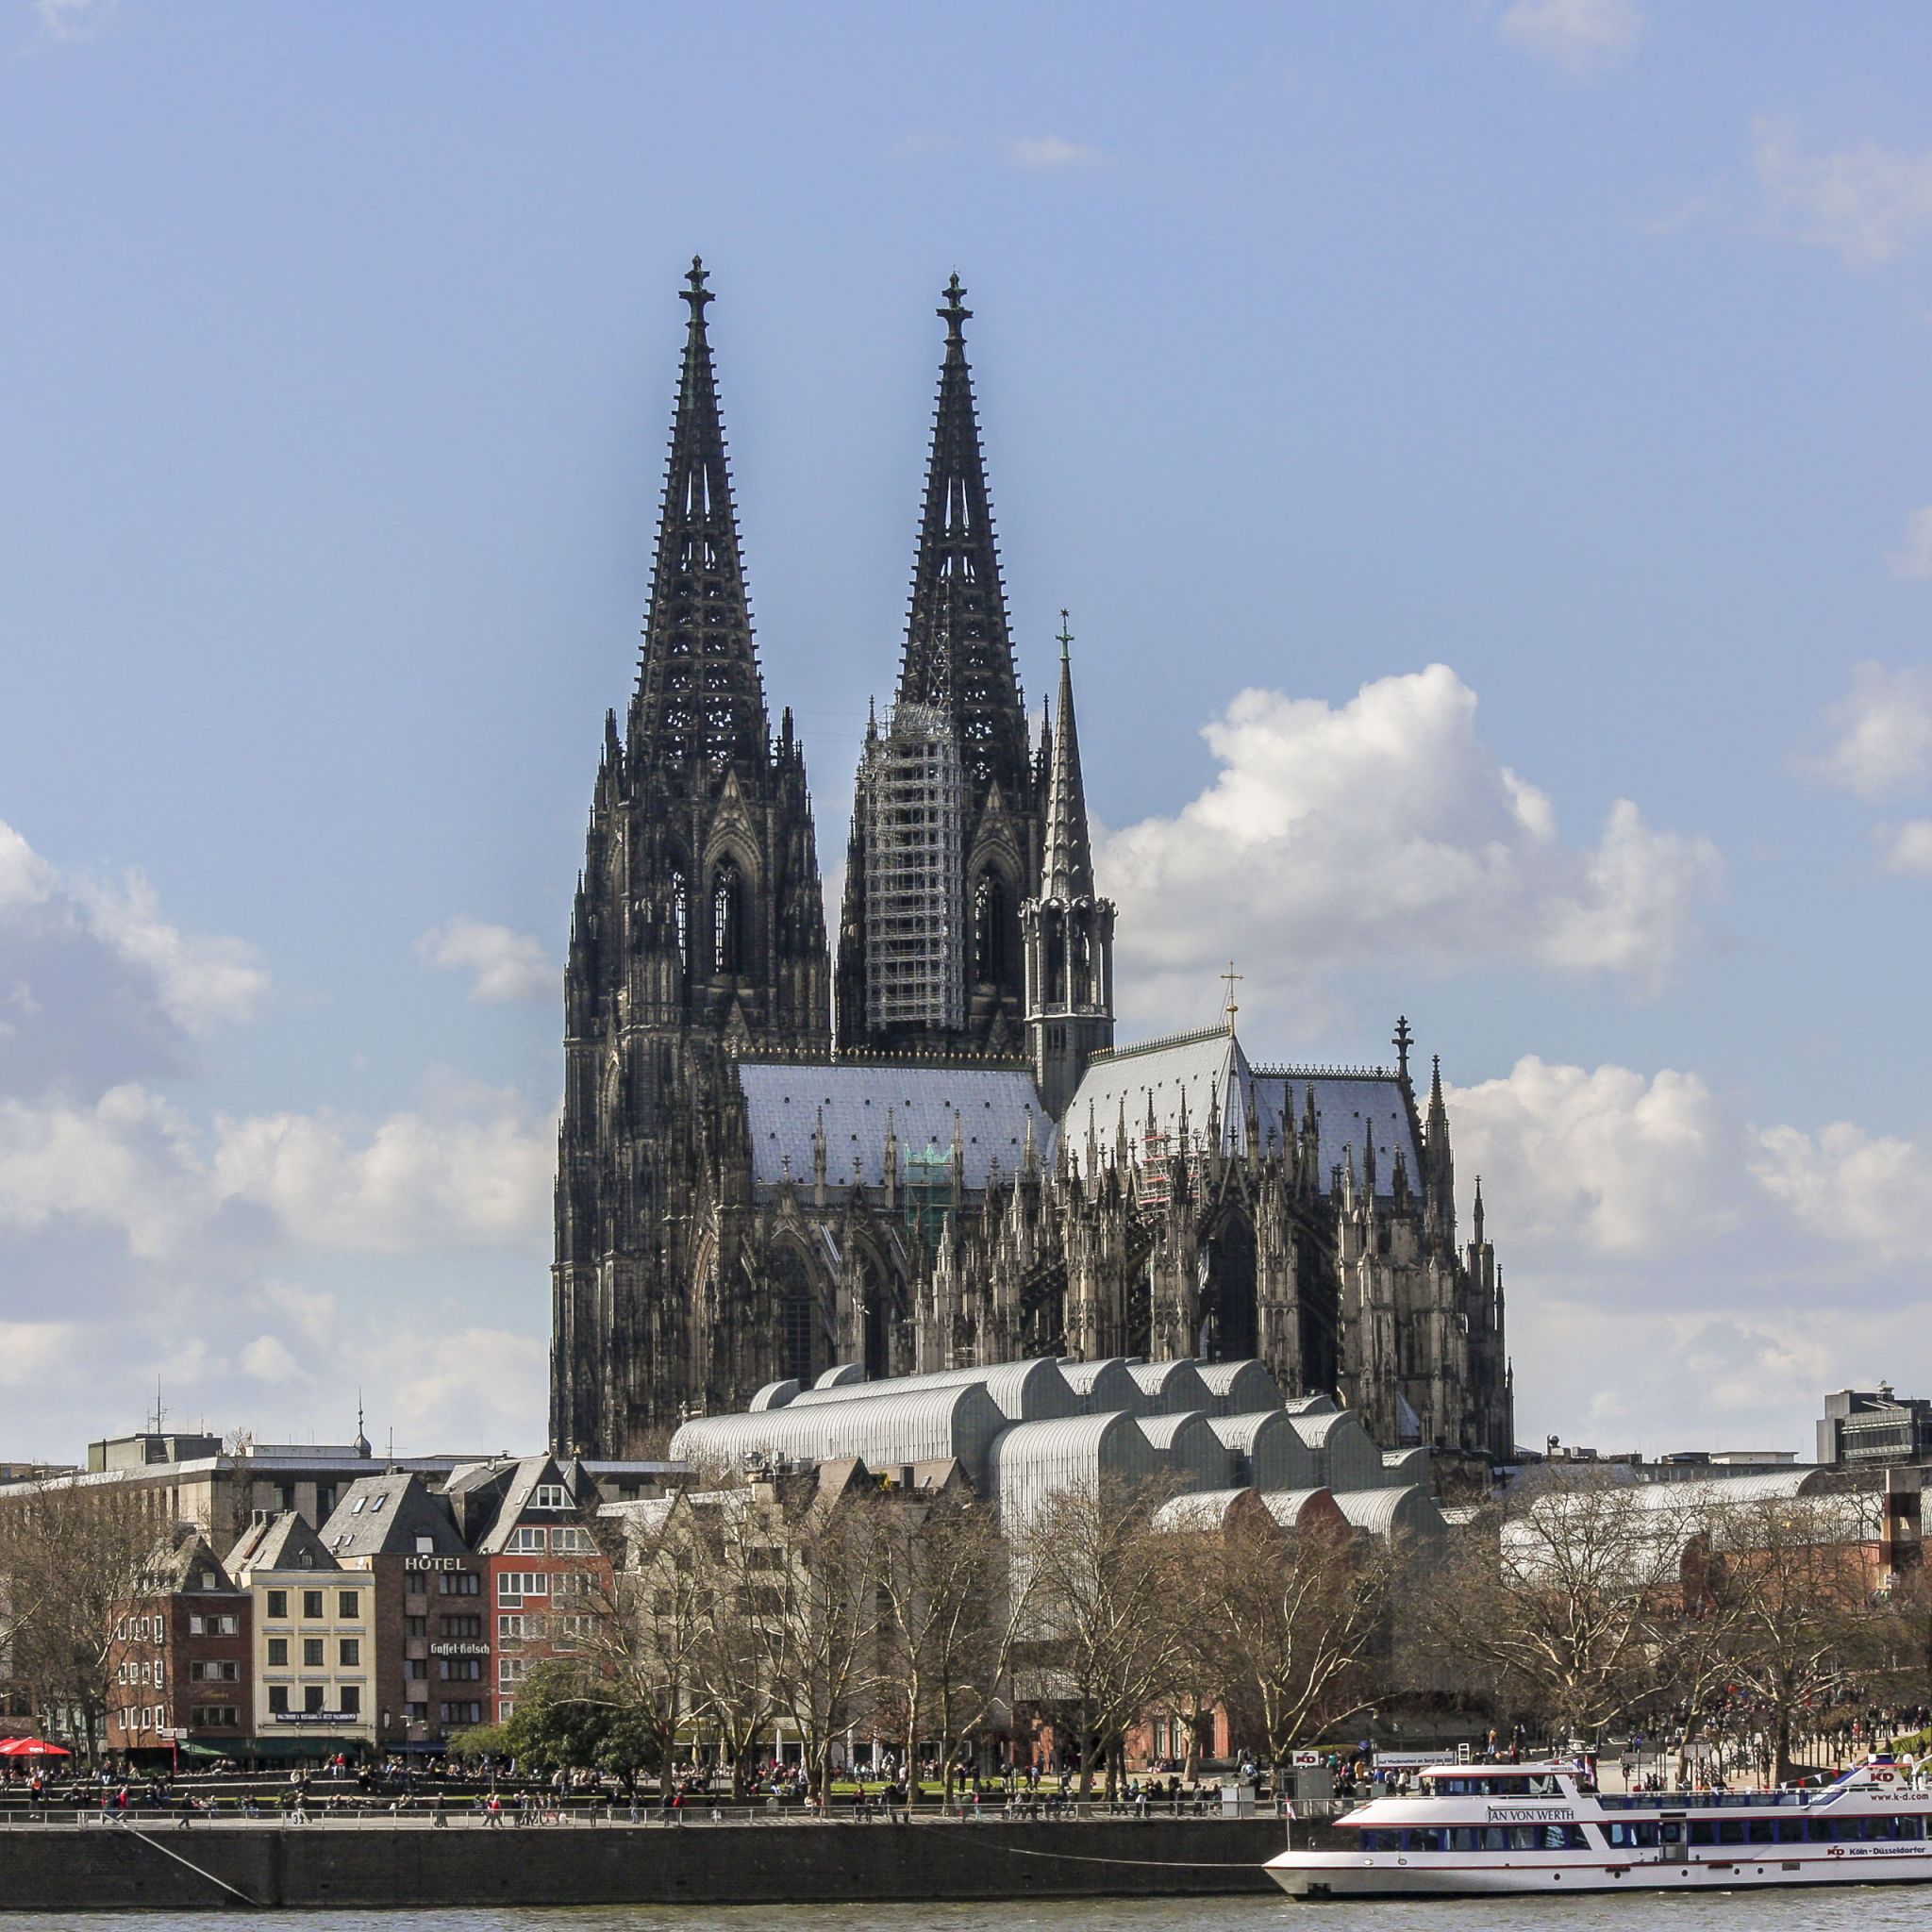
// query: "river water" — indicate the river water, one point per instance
point(1838, 1908)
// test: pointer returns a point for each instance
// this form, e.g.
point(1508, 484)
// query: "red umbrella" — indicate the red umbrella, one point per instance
point(32, 1747)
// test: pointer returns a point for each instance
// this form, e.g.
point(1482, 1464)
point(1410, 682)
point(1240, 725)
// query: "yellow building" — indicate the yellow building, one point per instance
point(314, 1660)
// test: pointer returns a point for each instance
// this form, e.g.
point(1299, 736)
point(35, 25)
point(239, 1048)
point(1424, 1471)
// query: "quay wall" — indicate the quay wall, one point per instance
point(120, 1868)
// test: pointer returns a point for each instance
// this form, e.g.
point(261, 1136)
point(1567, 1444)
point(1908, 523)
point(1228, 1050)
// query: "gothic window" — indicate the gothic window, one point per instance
point(875, 1294)
point(728, 918)
point(1055, 959)
point(680, 917)
point(1230, 1327)
point(990, 919)
point(797, 1314)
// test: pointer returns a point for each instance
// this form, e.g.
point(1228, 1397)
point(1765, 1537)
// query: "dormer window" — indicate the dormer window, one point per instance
point(380, 1503)
point(551, 1496)
point(356, 1508)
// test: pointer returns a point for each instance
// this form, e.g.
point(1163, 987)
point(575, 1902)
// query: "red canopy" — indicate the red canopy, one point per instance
point(32, 1747)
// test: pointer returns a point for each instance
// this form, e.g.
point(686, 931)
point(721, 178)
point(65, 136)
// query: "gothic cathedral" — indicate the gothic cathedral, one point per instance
point(935, 1155)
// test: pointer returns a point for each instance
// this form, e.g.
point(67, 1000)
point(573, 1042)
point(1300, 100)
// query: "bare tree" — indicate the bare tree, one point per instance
point(739, 1595)
point(955, 1609)
point(820, 1648)
point(73, 1558)
point(1553, 1600)
point(1295, 1621)
point(1102, 1641)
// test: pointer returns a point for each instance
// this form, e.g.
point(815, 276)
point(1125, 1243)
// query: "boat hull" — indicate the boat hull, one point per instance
point(1351, 1874)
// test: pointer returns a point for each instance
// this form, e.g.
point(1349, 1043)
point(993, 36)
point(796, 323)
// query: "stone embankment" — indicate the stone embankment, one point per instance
point(62, 1866)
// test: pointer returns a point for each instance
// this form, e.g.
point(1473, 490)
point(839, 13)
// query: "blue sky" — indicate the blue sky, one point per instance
point(1480, 444)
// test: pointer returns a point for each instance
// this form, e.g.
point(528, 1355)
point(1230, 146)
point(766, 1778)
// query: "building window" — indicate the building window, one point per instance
point(510, 1629)
point(417, 1713)
point(551, 1496)
point(415, 1626)
point(278, 1652)
point(728, 918)
point(525, 1542)
point(349, 1699)
point(572, 1542)
point(311, 1697)
point(311, 1603)
point(990, 929)
point(414, 1667)
point(193, 1624)
point(311, 1652)
point(349, 1653)
point(460, 1583)
point(462, 1626)
point(279, 1603)
point(278, 1698)
point(347, 1603)
point(461, 1669)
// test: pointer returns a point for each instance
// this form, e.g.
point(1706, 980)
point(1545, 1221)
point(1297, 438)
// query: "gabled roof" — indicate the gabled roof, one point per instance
point(282, 1542)
point(520, 1502)
point(182, 1563)
point(390, 1515)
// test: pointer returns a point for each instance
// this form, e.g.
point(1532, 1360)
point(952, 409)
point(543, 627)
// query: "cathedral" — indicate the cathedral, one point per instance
point(929, 1153)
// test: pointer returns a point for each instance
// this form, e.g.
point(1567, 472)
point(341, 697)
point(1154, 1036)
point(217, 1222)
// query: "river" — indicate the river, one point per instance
point(1867, 1908)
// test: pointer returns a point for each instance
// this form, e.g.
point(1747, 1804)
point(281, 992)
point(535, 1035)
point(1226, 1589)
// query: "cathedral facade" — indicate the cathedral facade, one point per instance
point(930, 1154)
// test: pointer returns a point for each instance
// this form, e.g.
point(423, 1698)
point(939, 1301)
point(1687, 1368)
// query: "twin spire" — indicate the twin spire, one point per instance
point(700, 697)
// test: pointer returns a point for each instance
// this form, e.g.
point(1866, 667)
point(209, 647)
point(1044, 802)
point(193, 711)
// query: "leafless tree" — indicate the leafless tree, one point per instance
point(1295, 1622)
point(73, 1558)
point(1103, 1641)
point(955, 1607)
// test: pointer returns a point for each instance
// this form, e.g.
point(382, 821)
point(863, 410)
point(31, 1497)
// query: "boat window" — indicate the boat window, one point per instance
point(1848, 1830)
point(1703, 1832)
point(1465, 1837)
point(1762, 1831)
point(1791, 1831)
point(1730, 1831)
point(1496, 1838)
point(1672, 1833)
point(1818, 1831)
point(1628, 1836)
point(1430, 1841)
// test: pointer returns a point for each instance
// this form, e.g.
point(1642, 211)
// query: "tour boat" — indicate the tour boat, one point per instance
point(1545, 1828)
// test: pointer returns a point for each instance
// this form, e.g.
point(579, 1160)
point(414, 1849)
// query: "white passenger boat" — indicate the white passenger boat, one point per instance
point(1543, 1827)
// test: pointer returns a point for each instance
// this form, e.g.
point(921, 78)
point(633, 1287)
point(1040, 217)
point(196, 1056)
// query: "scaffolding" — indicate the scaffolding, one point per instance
point(915, 911)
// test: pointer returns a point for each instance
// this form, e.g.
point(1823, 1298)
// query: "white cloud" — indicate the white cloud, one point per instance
point(1906, 848)
point(1913, 556)
point(1583, 36)
point(113, 989)
point(1673, 1269)
point(1050, 154)
point(504, 965)
point(1879, 733)
point(1865, 203)
point(1384, 832)
point(268, 1359)
point(1851, 1188)
point(75, 20)
point(477, 1175)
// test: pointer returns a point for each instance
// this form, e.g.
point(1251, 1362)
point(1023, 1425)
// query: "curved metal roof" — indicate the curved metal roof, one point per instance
point(1172, 1387)
point(1103, 1386)
point(774, 1395)
point(1300, 1508)
point(1029, 1391)
point(1240, 1386)
point(1204, 1509)
point(1384, 1512)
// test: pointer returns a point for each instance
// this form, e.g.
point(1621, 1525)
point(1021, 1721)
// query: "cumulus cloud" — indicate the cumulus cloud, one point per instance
point(503, 965)
point(475, 1174)
point(1913, 556)
point(1669, 1259)
point(75, 20)
point(112, 989)
point(1050, 154)
point(1878, 736)
point(1384, 832)
point(1865, 204)
point(1908, 848)
point(1582, 36)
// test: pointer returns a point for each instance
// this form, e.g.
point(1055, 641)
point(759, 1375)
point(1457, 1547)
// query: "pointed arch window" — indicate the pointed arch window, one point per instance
point(990, 918)
point(728, 918)
point(679, 898)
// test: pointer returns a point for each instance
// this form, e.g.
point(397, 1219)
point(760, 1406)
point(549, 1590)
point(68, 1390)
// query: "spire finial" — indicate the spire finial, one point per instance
point(956, 315)
point(1231, 976)
point(1066, 636)
point(696, 292)
point(1401, 1043)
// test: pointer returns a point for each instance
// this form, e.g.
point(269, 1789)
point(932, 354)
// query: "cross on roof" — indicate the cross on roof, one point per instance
point(1230, 976)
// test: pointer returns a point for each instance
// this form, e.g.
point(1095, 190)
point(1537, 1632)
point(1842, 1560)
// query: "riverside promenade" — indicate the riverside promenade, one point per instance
point(407, 1860)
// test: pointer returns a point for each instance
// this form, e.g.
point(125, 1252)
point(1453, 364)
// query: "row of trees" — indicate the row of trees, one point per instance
point(1596, 1607)
point(917, 1623)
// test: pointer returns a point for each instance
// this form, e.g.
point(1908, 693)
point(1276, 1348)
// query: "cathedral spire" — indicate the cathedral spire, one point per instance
point(957, 593)
point(1066, 861)
point(699, 695)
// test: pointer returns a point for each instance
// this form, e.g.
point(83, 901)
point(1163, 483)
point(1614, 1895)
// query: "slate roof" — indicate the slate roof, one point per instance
point(386, 1515)
point(281, 1542)
point(517, 1502)
point(783, 1100)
